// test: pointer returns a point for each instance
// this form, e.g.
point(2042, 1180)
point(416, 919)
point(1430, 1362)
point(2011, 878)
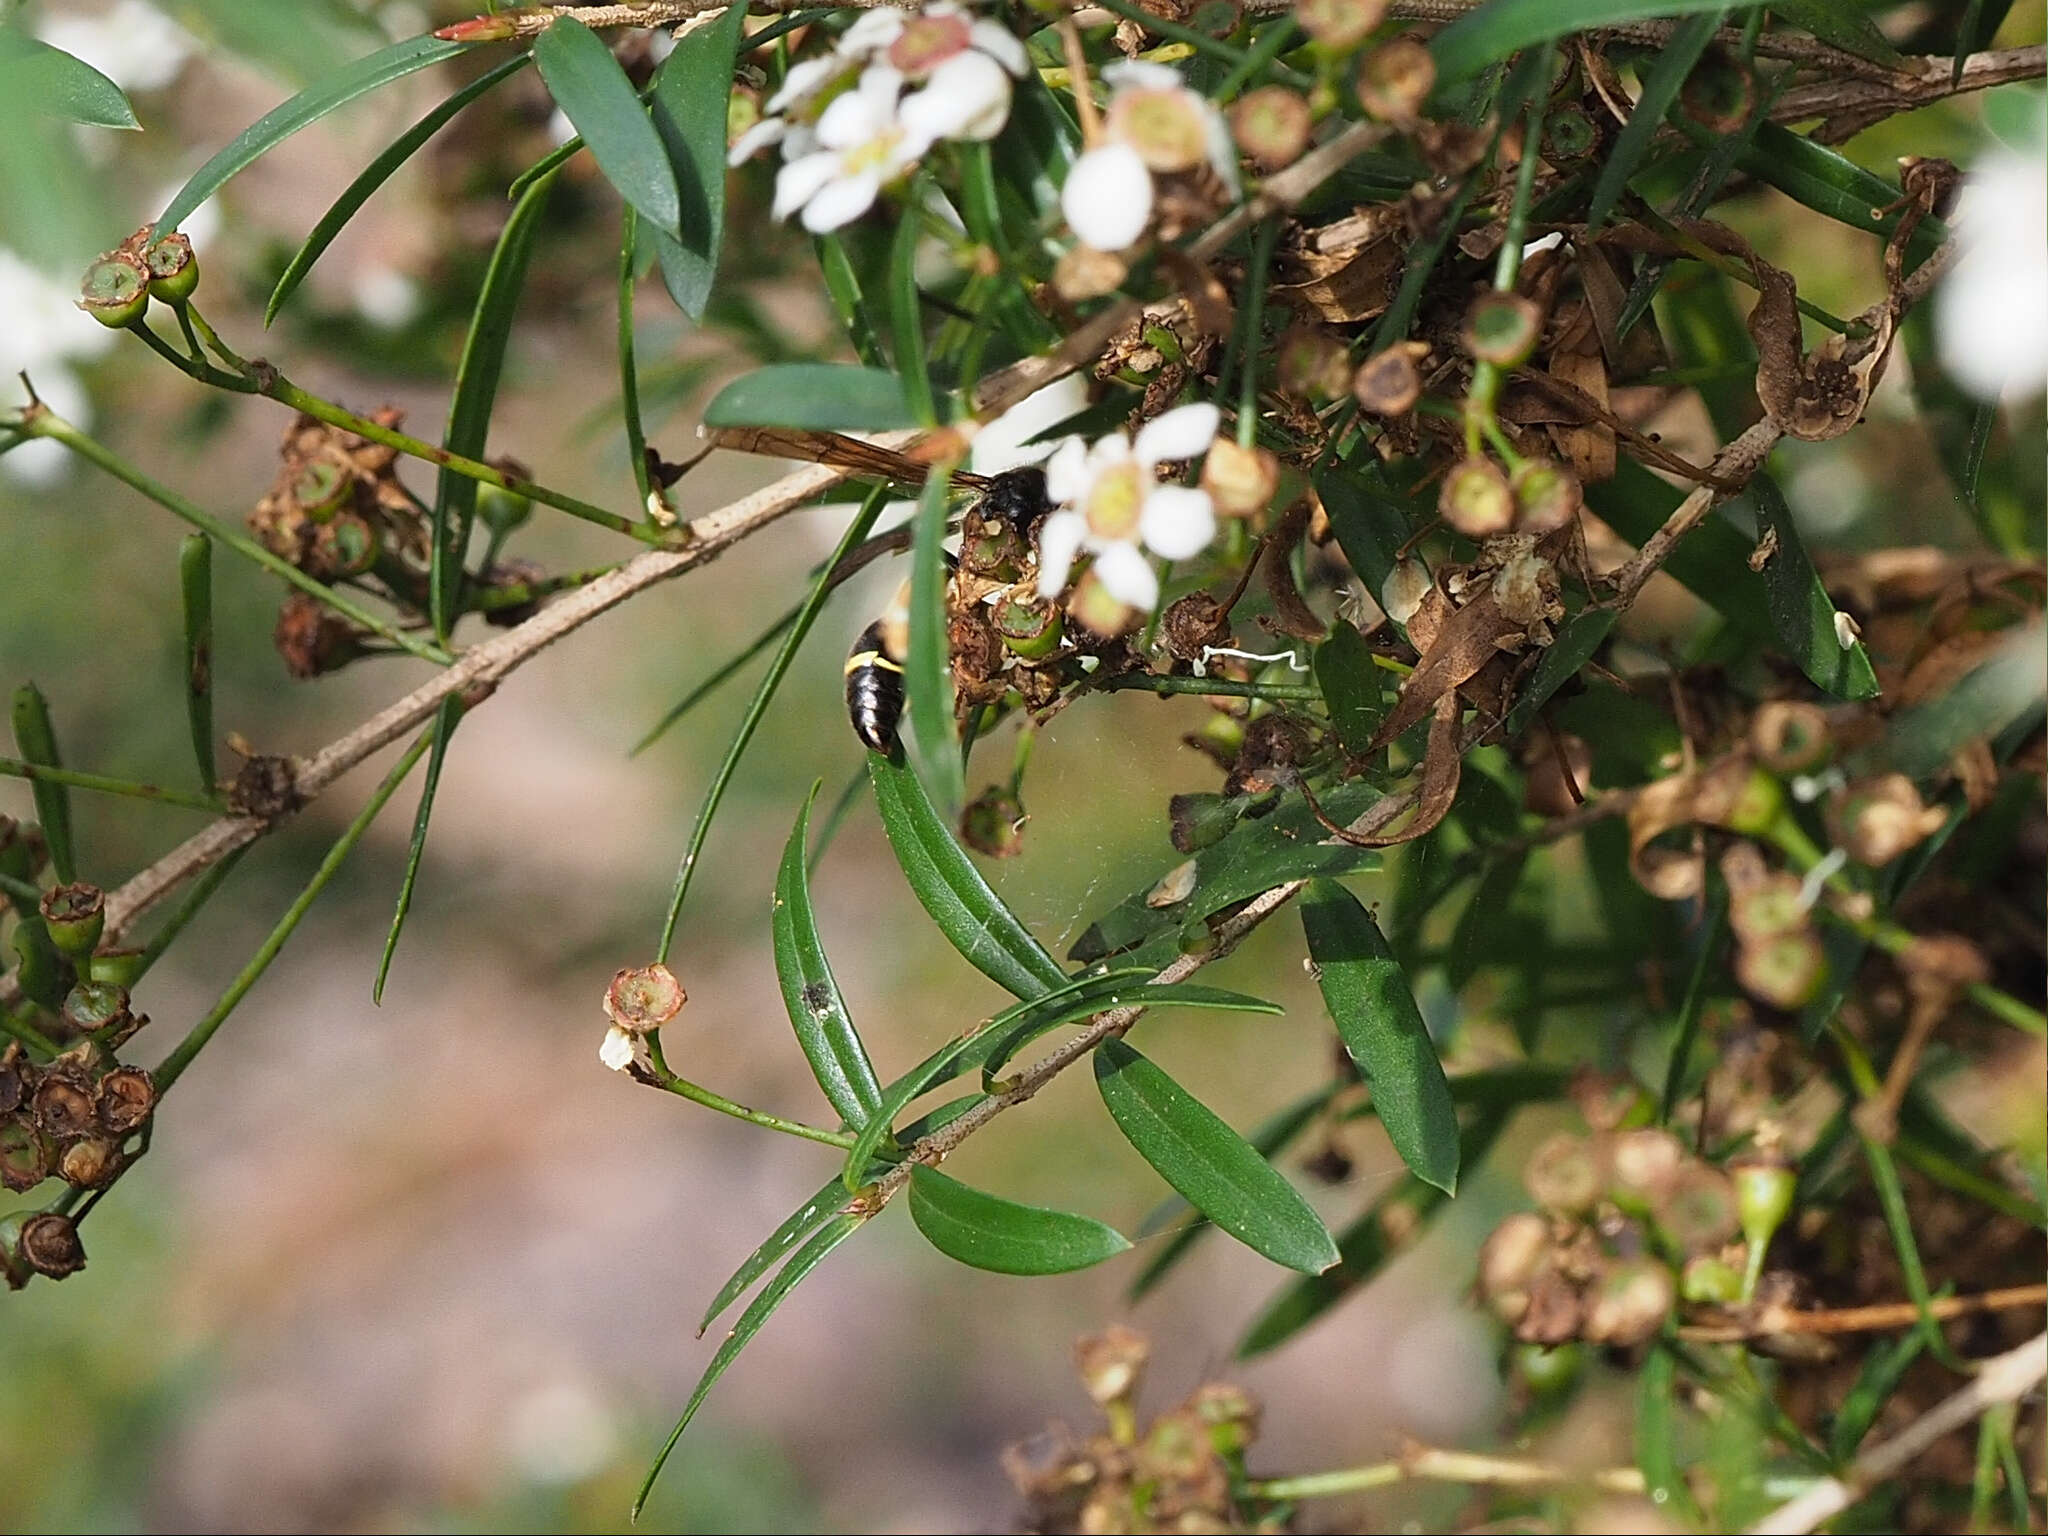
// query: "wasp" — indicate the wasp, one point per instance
point(874, 665)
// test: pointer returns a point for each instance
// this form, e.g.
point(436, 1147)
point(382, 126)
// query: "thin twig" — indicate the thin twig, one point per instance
point(1429, 1463)
point(1881, 1317)
point(2004, 1378)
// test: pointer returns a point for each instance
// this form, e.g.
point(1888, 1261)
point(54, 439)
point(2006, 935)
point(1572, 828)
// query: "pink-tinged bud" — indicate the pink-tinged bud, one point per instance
point(481, 29)
point(643, 998)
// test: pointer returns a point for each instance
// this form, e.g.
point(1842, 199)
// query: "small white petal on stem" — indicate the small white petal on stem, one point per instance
point(1067, 474)
point(1005, 442)
point(801, 180)
point(617, 1050)
point(1178, 522)
point(842, 201)
point(769, 130)
point(1180, 433)
point(1002, 45)
point(1142, 74)
point(1127, 575)
point(1107, 198)
point(1059, 540)
point(967, 97)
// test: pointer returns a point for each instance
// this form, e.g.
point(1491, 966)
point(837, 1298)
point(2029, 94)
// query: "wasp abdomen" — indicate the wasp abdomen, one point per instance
point(874, 690)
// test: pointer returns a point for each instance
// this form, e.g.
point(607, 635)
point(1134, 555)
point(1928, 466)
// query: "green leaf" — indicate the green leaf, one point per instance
point(1801, 611)
point(1898, 1219)
point(344, 85)
point(195, 590)
point(1574, 646)
point(1488, 930)
point(927, 671)
point(1179, 994)
point(759, 1310)
point(594, 93)
point(1368, 996)
point(1660, 89)
point(1656, 1431)
point(1269, 1139)
point(689, 96)
point(906, 319)
point(1825, 181)
point(1350, 682)
point(974, 920)
point(444, 727)
point(1001, 1235)
point(798, 1225)
point(294, 40)
point(1844, 23)
point(817, 1012)
point(1882, 1371)
point(818, 397)
point(1494, 31)
point(35, 740)
point(476, 393)
point(49, 82)
point(374, 175)
point(1285, 844)
point(1370, 522)
point(2003, 688)
point(1213, 1167)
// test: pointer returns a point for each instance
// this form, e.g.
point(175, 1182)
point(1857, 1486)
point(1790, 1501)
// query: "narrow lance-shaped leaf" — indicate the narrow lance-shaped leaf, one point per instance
point(1656, 1430)
point(689, 97)
point(988, 935)
point(928, 676)
point(1350, 684)
point(906, 320)
point(195, 588)
point(593, 92)
point(1368, 996)
point(1001, 1235)
point(994, 1057)
point(344, 85)
point(795, 1227)
point(374, 175)
point(52, 83)
point(36, 740)
point(824, 1029)
point(476, 394)
point(818, 397)
point(1801, 611)
point(444, 727)
point(1492, 32)
point(759, 1310)
point(1661, 84)
point(1213, 1167)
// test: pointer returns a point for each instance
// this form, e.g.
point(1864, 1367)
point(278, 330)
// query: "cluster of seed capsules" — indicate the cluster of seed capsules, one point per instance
point(72, 1110)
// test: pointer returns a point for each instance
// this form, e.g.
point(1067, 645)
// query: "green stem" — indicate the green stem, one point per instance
point(698, 1094)
point(46, 423)
point(1220, 687)
point(181, 1056)
point(1481, 399)
point(1254, 317)
point(28, 1034)
point(629, 374)
point(14, 767)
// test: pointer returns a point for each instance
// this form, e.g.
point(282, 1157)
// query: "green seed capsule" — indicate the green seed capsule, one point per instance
point(173, 269)
point(115, 291)
point(74, 916)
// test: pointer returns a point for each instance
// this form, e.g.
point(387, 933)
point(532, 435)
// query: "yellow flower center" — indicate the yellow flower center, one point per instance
point(1115, 501)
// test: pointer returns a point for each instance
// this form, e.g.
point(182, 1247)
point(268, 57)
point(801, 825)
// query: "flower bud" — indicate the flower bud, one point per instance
point(1564, 1175)
point(173, 268)
point(1339, 25)
point(25, 1155)
point(75, 916)
point(1784, 972)
point(1389, 382)
point(643, 998)
point(1474, 499)
point(1240, 481)
point(502, 511)
point(1789, 735)
point(1547, 496)
point(1502, 328)
point(1709, 1280)
point(1401, 594)
point(116, 290)
point(50, 1245)
point(1112, 1364)
point(1876, 820)
point(1030, 627)
point(124, 1100)
point(994, 823)
point(1395, 79)
point(1272, 124)
point(93, 1162)
point(1630, 1303)
point(1764, 1187)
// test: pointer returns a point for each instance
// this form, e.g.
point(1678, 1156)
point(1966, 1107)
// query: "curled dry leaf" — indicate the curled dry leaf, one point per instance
point(1291, 615)
point(1453, 652)
point(1588, 447)
point(1664, 868)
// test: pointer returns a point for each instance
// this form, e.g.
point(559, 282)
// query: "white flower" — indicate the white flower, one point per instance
point(1006, 442)
point(862, 143)
point(618, 1048)
point(1111, 504)
point(1154, 125)
point(1991, 311)
point(134, 45)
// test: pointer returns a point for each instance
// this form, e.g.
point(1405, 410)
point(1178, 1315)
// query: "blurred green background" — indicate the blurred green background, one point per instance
point(429, 1266)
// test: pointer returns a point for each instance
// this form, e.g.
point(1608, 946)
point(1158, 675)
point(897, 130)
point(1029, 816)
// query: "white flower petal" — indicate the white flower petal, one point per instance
point(873, 32)
point(1178, 522)
point(1991, 310)
point(841, 202)
point(1005, 442)
point(1066, 472)
point(801, 180)
point(1180, 433)
point(1002, 45)
point(1059, 540)
point(617, 1050)
point(1222, 149)
point(1141, 74)
point(805, 79)
point(862, 114)
point(967, 97)
point(1108, 197)
point(769, 130)
point(1127, 575)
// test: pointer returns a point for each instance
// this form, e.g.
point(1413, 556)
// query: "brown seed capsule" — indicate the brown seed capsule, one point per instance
point(993, 823)
point(1555, 1313)
point(124, 1100)
point(1720, 93)
point(1876, 820)
point(1271, 125)
point(1767, 908)
point(1311, 363)
point(1097, 610)
point(1630, 1303)
point(1564, 1175)
point(1194, 624)
point(1339, 25)
point(17, 1077)
point(1389, 382)
point(345, 545)
point(62, 1105)
point(1395, 79)
point(1642, 1167)
point(1697, 1213)
point(1474, 499)
point(1502, 327)
point(1084, 273)
point(1029, 627)
point(173, 269)
point(1112, 1363)
point(93, 1162)
point(1240, 481)
point(643, 998)
point(1509, 1260)
point(25, 1154)
point(1789, 735)
point(50, 1245)
point(312, 638)
point(1785, 972)
point(1547, 496)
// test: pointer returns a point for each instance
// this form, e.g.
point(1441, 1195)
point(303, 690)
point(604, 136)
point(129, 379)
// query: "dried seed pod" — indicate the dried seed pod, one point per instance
point(92, 1162)
point(345, 545)
point(25, 1154)
point(92, 1006)
point(993, 823)
point(1789, 735)
point(1720, 93)
point(312, 638)
point(1785, 971)
point(1697, 1213)
point(322, 487)
point(1240, 481)
point(17, 1077)
point(1112, 1363)
point(1547, 496)
point(1271, 125)
point(1311, 363)
point(1339, 25)
point(1876, 820)
point(62, 1104)
point(1564, 1175)
point(1770, 906)
point(1029, 627)
point(1509, 1260)
point(124, 1100)
point(173, 269)
point(1395, 79)
point(1569, 135)
point(49, 1245)
point(1390, 381)
point(1642, 1167)
point(1474, 499)
point(74, 916)
point(1502, 328)
point(1193, 624)
point(1629, 1304)
point(643, 998)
